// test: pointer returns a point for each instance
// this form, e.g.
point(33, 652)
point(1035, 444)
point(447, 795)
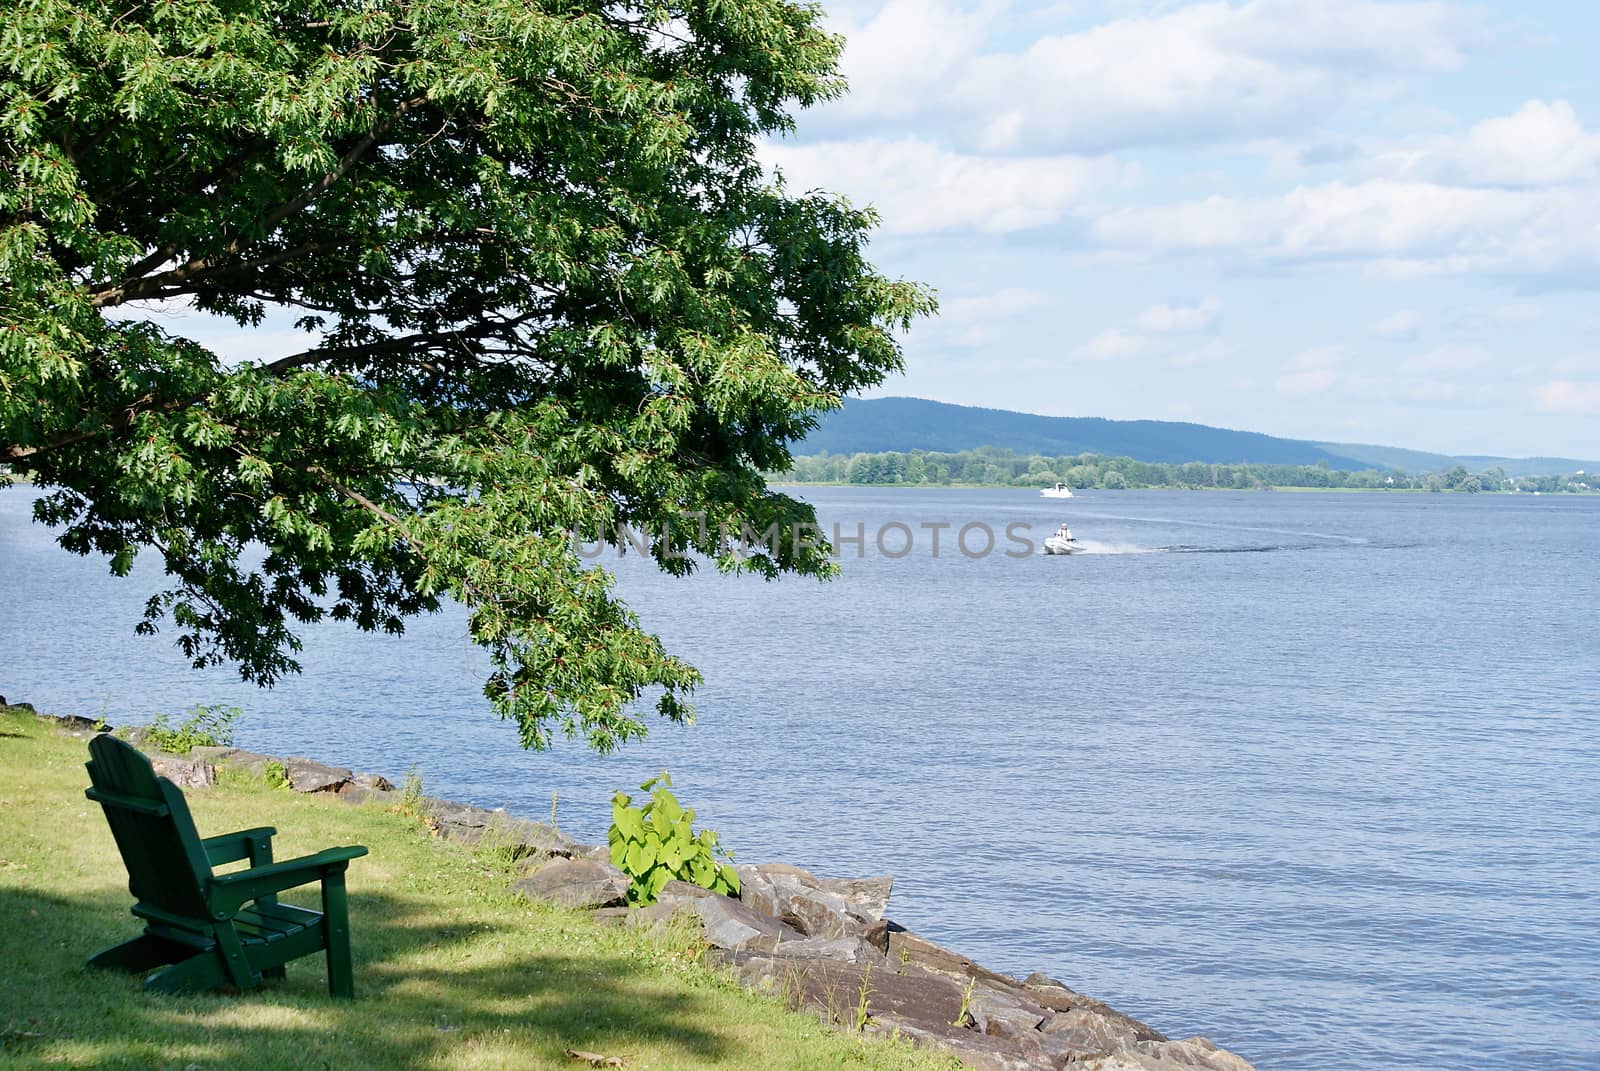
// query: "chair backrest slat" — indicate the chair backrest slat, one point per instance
point(150, 821)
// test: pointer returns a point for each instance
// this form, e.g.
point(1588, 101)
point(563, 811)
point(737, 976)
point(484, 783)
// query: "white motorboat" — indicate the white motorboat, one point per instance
point(1062, 542)
point(1060, 490)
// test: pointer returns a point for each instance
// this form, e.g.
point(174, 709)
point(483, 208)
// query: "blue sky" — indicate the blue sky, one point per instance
point(1328, 219)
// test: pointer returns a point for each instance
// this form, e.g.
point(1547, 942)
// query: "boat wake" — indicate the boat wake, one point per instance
point(1095, 546)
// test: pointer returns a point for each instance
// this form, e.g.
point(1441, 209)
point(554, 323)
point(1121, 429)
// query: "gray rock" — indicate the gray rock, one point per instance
point(1193, 1054)
point(376, 782)
point(799, 875)
point(731, 925)
point(821, 914)
point(757, 892)
point(207, 752)
point(185, 773)
point(354, 793)
point(308, 775)
point(876, 934)
point(978, 1051)
point(239, 759)
point(1059, 998)
point(576, 883)
point(912, 949)
point(818, 907)
point(654, 917)
point(843, 949)
point(831, 986)
point(1081, 1033)
point(473, 825)
point(866, 897)
point(676, 891)
point(999, 1013)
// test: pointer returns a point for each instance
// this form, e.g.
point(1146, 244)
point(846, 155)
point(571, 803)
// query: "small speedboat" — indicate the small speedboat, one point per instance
point(1060, 490)
point(1062, 542)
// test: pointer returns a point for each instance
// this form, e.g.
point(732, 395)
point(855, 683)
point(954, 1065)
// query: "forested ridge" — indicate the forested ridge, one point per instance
point(992, 467)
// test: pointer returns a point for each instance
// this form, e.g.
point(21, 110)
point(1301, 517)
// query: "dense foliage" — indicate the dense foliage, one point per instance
point(543, 282)
point(1002, 468)
point(206, 726)
point(656, 842)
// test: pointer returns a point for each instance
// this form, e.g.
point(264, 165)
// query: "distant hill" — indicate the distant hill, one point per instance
point(878, 425)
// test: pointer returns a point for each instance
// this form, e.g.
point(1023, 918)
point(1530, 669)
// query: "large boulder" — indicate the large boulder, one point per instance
point(1057, 997)
point(821, 914)
point(730, 925)
point(576, 883)
point(308, 775)
point(912, 949)
point(917, 1006)
point(479, 826)
point(1080, 1033)
point(1192, 1054)
point(355, 793)
point(978, 1051)
point(1002, 1013)
point(236, 758)
point(867, 898)
point(817, 907)
point(185, 773)
point(843, 949)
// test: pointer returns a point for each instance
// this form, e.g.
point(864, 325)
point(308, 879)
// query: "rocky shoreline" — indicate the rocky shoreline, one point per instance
point(825, 945)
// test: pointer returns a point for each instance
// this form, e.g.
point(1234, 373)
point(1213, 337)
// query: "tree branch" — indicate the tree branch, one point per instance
point(135, 286)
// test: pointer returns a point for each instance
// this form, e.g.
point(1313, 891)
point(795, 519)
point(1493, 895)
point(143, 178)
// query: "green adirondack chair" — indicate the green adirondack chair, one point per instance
point(211, 930)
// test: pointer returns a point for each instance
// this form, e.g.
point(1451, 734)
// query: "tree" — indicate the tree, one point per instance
point(545, 287)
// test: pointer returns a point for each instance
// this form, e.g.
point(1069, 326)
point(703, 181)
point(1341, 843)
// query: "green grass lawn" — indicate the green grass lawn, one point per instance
point(452, 971)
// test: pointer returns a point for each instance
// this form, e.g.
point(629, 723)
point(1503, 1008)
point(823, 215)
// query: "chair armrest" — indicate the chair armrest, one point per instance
point(226, 893)
point(252, 844)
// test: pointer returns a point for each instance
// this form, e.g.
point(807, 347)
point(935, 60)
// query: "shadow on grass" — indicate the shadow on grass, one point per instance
point(423, 989)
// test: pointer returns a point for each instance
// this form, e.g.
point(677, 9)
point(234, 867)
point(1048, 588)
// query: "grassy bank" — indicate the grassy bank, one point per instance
point(452, 971)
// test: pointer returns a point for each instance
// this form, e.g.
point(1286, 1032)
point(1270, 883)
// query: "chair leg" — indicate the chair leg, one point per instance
point(138, 955)
point(336, 923)
point(198, 974)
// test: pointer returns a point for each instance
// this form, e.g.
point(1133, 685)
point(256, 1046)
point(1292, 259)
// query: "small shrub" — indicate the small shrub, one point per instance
point(276, 774)
point(656, 843)
point(205, 727)
point(411, 794)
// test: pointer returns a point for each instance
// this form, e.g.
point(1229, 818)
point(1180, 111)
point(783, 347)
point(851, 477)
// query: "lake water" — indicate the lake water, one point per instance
point(1316, 775)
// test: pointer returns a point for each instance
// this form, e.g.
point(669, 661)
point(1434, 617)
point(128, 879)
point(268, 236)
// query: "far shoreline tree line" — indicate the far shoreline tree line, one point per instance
point(995, 467)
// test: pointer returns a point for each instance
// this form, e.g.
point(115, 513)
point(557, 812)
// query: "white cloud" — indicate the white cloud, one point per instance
point(1578, 362)
point(1210, 353)
point(905, 53)
point(1402, 228)
point(1518, 312)
point(1447, 359)
point(1433, 390)
point(921, 188)
point(1402, 324)
point(1194, 73)
point(1311, 372)
point(1319, 357)
point(1112, 345)
point(1539, 145)
point(1012, 301)
point(1299, 384)
point(1180, 319)
point(966, 321)
point(1568, 396)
